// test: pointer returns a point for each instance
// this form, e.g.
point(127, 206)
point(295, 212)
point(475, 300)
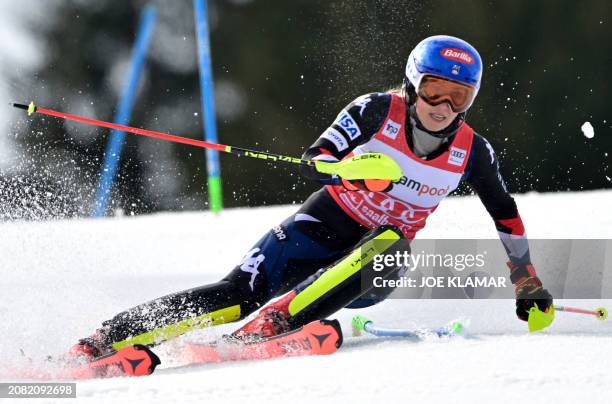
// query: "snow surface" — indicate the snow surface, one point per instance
point(60, 279)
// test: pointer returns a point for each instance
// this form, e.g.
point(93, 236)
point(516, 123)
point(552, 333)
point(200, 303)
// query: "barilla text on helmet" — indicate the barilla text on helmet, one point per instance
point(457, 55)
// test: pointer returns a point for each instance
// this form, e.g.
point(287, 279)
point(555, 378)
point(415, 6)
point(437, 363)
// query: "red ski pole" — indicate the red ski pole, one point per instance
point(380, 166)
point(238, 151)
point(600, 313)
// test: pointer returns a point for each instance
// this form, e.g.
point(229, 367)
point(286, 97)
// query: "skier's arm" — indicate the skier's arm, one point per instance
point(484, 177)
point(355, 125)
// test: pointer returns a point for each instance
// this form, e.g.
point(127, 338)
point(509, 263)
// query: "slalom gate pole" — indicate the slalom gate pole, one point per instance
point(215, 196)
point(237, 151)
point(124, 111)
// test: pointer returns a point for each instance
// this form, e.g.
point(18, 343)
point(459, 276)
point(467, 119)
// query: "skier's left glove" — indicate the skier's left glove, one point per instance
point(528, 290)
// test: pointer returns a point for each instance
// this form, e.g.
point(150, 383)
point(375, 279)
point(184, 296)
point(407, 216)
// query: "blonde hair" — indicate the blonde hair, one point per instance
point(399, 90)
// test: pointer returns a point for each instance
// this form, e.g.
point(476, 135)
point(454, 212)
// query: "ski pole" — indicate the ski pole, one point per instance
point(538, 320)
point(600, 313)
point(378, 165)
point(238, 151)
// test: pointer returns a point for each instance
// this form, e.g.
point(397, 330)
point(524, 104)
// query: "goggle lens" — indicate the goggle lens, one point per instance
point(435, 91)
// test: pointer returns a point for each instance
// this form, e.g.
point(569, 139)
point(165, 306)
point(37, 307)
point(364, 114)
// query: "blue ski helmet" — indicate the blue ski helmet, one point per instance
point(446, 57)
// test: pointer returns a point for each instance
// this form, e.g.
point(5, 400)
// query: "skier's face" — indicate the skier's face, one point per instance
point(434, 117)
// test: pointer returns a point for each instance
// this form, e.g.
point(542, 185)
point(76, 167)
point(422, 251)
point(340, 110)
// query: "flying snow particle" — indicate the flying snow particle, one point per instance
point(587, 130)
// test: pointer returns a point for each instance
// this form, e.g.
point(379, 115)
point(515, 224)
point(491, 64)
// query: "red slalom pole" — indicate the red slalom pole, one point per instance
point(238, 151)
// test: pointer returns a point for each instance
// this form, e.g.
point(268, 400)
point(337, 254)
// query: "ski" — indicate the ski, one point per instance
point(134, 360)
point(321, 337)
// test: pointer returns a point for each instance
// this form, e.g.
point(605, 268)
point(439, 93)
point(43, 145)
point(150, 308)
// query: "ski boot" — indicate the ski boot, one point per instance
point(90, 348)
point(272, 320)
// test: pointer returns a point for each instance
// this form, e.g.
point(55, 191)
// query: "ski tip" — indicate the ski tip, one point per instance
point(135, 360)
point(154, 359)
point(335, 324)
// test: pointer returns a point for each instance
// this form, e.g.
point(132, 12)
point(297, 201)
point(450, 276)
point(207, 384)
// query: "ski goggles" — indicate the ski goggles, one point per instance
point(435, 91)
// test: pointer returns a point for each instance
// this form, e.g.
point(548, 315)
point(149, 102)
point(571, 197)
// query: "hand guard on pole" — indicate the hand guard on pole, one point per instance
point(367, 172)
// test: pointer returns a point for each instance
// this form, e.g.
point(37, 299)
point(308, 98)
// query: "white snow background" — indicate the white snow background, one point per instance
point(60, 279)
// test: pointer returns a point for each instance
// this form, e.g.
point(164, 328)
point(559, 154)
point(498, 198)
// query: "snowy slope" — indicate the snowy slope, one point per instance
point(61, 279)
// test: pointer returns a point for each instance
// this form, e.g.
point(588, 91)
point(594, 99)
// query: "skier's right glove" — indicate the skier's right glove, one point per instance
point(366, 172)
point(528, 290)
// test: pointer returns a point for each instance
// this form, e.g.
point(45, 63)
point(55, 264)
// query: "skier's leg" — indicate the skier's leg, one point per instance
point(284, 257)
point(172, 315)
point(347, 282)
point(331, 288)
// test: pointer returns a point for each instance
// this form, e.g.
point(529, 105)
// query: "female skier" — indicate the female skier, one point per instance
point(422, 128)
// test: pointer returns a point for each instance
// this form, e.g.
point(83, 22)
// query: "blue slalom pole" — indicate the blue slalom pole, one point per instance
point(124, 111)
point(215, 198)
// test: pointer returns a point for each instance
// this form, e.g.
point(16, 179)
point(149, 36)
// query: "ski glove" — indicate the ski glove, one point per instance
point(366, 172)
point(528, 290)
